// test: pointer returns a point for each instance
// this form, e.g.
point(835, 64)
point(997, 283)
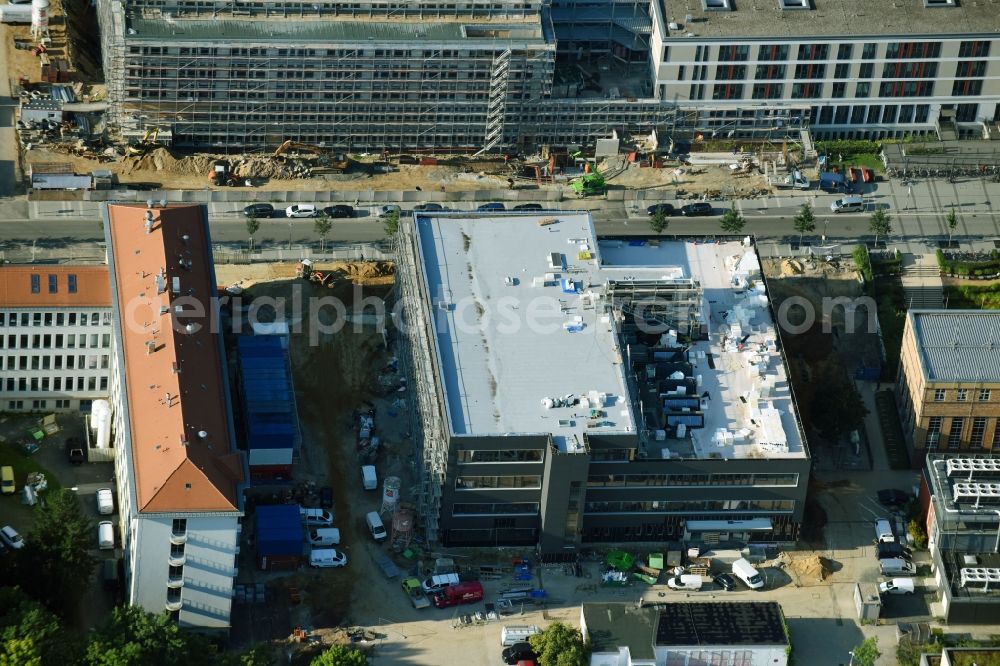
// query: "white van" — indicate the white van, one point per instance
point(743, 570)
point(105, 535)
point(368, 477)
point(883, 531)
point(375, 526)
point(848, 205)
point(897, 566)
point(316, 516)
point(897, 586)
point(439, 582)
point(105, 502)
point(324, 536)
point(327, 557)
point(685, 582)
point(517, 633)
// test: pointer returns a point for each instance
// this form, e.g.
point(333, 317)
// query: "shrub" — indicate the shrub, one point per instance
point(916, 528)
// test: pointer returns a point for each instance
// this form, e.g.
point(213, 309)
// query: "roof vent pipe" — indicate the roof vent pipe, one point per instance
point(202, 434)
point(190, 328)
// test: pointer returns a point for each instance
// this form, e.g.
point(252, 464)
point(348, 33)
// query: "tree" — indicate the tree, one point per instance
point(837, 409)
point(732, 222)
point(55, 564)
point(880, 224)
point(135, 636)
point(952, 221)
point(323, 225)
point(253, 225)
point(390, 222)
point(559, 645)
point(804, 221)
point(341, 655)
point(30, 634)
point(866, 653)
point(658, 222)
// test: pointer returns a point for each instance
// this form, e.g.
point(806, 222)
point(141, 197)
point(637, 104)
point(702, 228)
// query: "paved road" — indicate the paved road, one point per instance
point(917, 212)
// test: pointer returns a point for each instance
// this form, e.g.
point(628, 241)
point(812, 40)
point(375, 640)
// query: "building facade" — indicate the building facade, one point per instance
point(55, 337)
point(948, 388)
point(963, 528)
point(180, 477)
point(588, 428)
point(437, 76)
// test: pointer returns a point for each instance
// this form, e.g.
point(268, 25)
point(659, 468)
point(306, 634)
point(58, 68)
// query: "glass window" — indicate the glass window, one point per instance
point(844, 51)
point(863, 89)
point(962, 395)
point(984, 395)
point(955, 434)
point(71, 283)
point(978, 431)
point(36, 284)
point(868, 52)
point(53, 283)
point(939, 395)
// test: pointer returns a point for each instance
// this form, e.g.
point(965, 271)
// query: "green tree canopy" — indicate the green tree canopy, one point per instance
point(323, 225)
point(805, 221)
point(253, 226)
point(866, 653)
point(340, 655)
point(30, 635)
point(135, 636)
point(952, 221)
point(559, 645)
point(55, 562)
point(732, 222)
point(390, 222)
point(880, 224)
point(658, 222)
point(837, 409)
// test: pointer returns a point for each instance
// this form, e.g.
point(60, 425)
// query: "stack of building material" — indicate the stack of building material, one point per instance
point(280, 537)
point(267, 402)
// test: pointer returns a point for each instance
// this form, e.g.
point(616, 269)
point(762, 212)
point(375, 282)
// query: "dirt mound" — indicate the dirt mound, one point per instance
point(809, 569)
point(790, 267)
point(369, 269)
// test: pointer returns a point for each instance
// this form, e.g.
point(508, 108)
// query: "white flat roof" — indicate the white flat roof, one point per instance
point(522, 351)
point(509, 335)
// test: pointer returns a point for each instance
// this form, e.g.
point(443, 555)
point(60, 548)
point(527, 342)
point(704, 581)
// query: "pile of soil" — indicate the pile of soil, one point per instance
point(790, 267)
point(809, 569)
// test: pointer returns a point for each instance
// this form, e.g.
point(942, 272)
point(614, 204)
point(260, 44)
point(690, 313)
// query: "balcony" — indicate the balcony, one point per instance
point(172, 605)
point(176, 560)
point(178, 538)
point(175, 582)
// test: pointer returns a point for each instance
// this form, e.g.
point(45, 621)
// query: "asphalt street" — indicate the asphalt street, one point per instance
point(917, 211)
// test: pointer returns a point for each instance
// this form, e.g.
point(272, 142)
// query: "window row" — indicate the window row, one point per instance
point(666, 480)
point(486, 508)
point(500, 455)
point(36, 405)
point(52, 281)
point(654, 506)
point(887, 114)
point(55, 318)
point(953, 438)
point(962, 395)
point(45, 384)
point(511, 481)
point(57, 362)
point(56, 341)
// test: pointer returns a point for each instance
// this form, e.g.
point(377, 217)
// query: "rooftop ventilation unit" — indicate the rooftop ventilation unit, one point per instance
point(930, 4)
point(716, 6)
point(175, 285)
point(985, 576)
point(980, 493)
point(974, 467)
point(795, 4)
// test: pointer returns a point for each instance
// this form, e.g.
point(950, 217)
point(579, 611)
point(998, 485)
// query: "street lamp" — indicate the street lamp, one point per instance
point(851, 663)
point(289, 235)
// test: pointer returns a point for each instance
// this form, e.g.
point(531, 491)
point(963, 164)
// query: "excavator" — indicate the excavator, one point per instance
point(143, 145)
point(335, 163)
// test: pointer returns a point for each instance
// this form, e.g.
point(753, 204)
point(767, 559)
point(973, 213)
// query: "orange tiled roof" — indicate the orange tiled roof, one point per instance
point(173, 367)
point(93, 287)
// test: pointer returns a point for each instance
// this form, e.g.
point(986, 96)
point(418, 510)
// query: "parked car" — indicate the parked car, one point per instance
point(887, 550)
point(105, 535)
point(105, 502)
point(319, 517)
point(389, 209)
point(340, 210)
point(7, 483)
point(699, 209)
point(893, 498)
point(326, 497)
point(428, 207)
point(492, 206)
point(74, 451)
point(529, 207)
point(517, 652)
point(725, 581)
point(11, 538)
point(661, 208)
point(437, 583)
point(259, 210)
point(302, 210)
point(897, 586)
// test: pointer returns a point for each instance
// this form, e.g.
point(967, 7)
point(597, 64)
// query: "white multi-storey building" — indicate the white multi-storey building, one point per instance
point(857, 69)
point(179, 474)
point(55, 337)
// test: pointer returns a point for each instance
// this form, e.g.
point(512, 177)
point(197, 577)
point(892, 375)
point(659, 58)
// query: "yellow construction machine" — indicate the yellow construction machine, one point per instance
point(143, 145)
point(335, 162)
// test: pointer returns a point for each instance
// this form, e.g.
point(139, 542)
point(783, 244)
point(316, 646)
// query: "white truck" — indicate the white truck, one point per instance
point(791, 181)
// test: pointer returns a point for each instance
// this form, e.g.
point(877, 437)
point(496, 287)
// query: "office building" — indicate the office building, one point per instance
point(179, 474)
point(948, 388)
point(574, 390)
point(746, 633)
point(963, 527)
point(55, 337)
point(503, 75)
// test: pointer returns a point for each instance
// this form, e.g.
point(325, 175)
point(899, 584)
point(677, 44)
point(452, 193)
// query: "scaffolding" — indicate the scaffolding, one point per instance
point(417, 352)
point(673, 305)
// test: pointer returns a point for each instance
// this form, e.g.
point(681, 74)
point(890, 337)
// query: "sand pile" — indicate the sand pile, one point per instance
point(367, 270)
point(790, 267)
point(809, 569)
